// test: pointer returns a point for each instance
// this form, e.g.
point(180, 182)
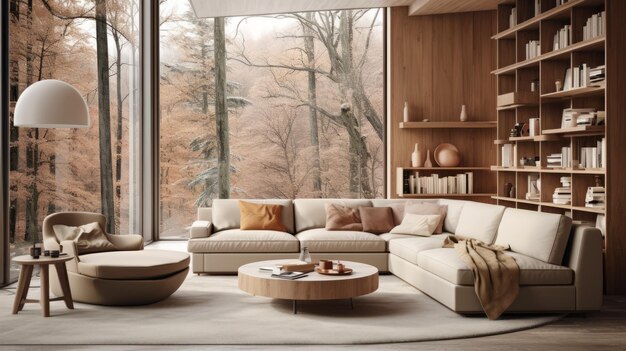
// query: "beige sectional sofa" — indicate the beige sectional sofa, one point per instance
point(560, 263)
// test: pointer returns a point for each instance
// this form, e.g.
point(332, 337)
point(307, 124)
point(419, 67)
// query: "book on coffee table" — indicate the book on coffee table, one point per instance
point(290, 275)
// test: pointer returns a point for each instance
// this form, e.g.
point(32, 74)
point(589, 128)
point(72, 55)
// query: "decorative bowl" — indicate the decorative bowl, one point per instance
point(447, 155)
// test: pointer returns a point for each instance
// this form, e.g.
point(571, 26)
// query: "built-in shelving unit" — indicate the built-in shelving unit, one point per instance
point(538, 75)
point(448, 125)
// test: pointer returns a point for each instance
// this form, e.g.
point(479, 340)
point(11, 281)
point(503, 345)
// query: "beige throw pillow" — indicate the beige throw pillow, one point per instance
point(413, 224)
point(427, 208)
point(342, 218)
point(89, 238)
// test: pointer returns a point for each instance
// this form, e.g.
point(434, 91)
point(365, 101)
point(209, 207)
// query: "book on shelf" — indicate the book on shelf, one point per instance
point(537, 7)
point(594, 156)
point(462, 183)
point(595, 26)
point(507, 158)
point(533, 49)
point(562, 38)
point(513, 18)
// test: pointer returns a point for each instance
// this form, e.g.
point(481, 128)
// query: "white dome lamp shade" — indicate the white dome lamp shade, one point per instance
point(51, 104)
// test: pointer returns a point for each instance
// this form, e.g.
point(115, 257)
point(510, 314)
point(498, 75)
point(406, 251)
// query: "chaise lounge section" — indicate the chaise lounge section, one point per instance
point(560, 262)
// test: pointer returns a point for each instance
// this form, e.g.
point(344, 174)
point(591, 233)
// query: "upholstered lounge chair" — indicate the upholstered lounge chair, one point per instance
point(127, 276)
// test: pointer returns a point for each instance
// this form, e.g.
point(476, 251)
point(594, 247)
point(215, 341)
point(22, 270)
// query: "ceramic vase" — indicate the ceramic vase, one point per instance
point(416, 157)
point(428, 163)
point(463, 116)
point(406, 112)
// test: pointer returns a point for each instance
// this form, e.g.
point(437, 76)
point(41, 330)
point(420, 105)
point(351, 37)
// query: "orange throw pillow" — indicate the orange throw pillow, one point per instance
point(260, 217)
point(342, 218)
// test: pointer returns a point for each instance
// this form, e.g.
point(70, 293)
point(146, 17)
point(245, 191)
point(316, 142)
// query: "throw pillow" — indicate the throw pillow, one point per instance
point(342, 218)
point(376, 220)
point(427, 208)
point(260, 217)
point(398, 212)
point(413, 224)
point(89, 238)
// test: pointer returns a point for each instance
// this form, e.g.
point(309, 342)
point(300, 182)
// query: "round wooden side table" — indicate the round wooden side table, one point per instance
point(27, 264)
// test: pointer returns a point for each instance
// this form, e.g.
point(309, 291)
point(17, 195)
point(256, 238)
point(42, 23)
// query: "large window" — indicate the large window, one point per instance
point(283, 106)
point(54, 170)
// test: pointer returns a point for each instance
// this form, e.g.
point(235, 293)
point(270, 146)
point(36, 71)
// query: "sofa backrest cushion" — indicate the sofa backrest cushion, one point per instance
point(455, 207)
point(225, 213)
point(311, 214)
point(479, 221)
point(542, 236)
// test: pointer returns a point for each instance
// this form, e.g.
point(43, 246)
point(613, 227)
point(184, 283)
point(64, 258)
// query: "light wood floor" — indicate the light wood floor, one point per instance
point(604, 330)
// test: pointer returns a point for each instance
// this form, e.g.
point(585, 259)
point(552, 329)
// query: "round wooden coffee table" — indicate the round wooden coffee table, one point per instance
point(44, 262)
point(362, 281)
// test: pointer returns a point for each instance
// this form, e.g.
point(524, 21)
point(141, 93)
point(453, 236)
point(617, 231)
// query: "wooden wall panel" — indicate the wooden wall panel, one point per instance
point(616, 128)
point(438, 63)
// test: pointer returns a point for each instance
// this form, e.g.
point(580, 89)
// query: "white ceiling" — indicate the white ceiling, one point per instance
point(230, 8)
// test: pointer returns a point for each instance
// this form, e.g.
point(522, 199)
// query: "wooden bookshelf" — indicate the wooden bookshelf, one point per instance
point(425, 196)
point(449, 125)
point(514, 73)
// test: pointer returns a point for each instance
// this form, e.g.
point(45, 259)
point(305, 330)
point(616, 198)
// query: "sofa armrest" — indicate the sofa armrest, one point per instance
point(126, 242)
point(200, 229)
point(69, 247)
point(585, 259)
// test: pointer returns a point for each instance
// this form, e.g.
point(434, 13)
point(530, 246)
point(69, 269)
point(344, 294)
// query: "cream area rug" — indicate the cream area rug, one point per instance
point(212, 310)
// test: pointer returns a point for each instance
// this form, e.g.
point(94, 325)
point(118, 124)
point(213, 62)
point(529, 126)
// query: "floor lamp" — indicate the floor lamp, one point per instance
point(50, 104)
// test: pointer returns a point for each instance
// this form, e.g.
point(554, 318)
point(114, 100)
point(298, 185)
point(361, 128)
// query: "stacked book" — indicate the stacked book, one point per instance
point(595, 197)
point(462, 183)
point(563, 194)
point(560, 2)
point(597, 75)
point(580, 116)
point(562, 160)
point(594, 157)
point(562, 38)
point(595, 26)
point(533, 49)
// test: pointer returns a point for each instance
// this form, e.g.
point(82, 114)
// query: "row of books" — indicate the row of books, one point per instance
point(562, 160)
point(594, 157)
point(462, 183)
point(562, 38)
point(583, 76)
point(595, 26)
point(533, 49)
point(595, 197)
point(563, 194)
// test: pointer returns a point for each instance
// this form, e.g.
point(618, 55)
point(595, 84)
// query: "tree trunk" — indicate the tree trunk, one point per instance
point(221, 110)
point(14, 149)
point(104, 117)
point(359, 156)
point(118, 132)
point(309, 48)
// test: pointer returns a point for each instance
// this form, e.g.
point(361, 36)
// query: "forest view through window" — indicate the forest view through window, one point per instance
point(282, 106)
point(94, 45)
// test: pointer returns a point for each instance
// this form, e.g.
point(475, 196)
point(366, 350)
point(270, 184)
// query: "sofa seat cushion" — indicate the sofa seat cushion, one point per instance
point(240, 241)
point(446, 264)
point(132, 265)
point(409, 248)
point(322, 240)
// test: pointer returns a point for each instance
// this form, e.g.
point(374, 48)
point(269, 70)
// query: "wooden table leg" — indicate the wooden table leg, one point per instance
point(23, 284)
point(45, 290)
point(65, 284)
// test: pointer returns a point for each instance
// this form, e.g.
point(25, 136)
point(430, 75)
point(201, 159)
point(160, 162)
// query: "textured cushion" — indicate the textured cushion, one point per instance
point(414, 224)
point(479, 221)
point(260, 217)
point(543, 236)
point(427, 208)
point(89, 238)
point(225, 213)
point(342, 218)
point(200, 229)
point(455, 207)
point(237, 241)
point(310, 213)
point(143, 264)
point(321, 240)
point(446, 264)
point(376, 220)
point(409, 248)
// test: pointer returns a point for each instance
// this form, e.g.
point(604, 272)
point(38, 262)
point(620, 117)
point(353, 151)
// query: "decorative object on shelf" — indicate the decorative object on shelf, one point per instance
point(595, 197)
point(527, 161)
point(416, 157)
point(597, 180)
point(428, 163)
point(447, 155)
point(534, 86)
point(426, 120)
point(35, 251)
point(507, 189)
point(406, 112)
point(518, 129)
point(463, 116)
point(512, 192)
point(533, 127)
point(558, 85)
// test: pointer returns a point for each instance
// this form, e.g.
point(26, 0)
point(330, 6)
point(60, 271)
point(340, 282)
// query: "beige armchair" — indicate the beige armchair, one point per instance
point(128, 275)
